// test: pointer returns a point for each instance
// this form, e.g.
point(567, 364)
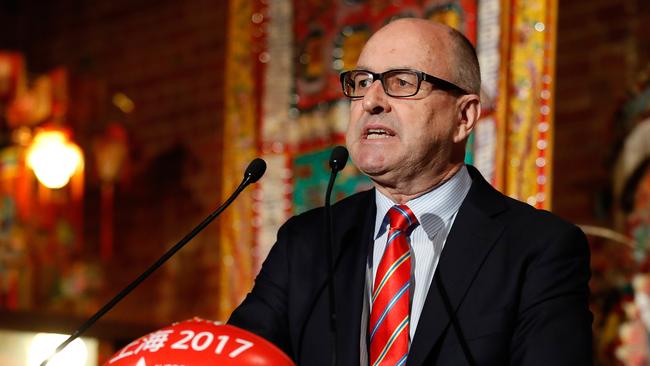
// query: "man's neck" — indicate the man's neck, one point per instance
point(406, 191)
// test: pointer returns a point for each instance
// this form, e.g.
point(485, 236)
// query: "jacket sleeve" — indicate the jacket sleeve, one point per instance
point(553, 324)
point(264, 310)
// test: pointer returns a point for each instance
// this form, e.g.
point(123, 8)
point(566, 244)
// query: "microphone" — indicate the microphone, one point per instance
point(338, 159)
point(253, 173)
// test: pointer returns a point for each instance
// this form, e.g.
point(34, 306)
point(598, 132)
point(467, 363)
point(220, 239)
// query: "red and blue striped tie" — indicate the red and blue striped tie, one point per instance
point(388, 329)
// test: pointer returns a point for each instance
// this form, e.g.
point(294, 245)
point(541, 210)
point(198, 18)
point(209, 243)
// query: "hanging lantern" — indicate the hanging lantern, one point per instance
point(111, 151)
point(54, 158)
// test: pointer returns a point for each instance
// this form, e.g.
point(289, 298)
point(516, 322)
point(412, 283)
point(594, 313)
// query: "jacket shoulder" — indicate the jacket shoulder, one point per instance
point(350, 206)
point(514, 213)
point(528, 217)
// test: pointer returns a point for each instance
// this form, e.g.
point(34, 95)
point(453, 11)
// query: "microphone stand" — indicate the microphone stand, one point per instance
point(454, 319)
point(337, 162)
point(253, 173)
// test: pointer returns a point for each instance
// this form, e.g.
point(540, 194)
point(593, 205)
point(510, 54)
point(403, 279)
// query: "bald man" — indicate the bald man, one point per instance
point(433, 266)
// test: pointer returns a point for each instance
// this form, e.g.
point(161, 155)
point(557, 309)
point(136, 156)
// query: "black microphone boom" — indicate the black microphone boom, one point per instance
point(338, 159)
point(253, 173)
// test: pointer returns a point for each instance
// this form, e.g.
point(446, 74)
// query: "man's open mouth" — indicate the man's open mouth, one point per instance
point(378, 133)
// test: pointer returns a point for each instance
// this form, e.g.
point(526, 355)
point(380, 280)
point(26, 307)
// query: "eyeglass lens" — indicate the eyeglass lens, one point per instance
point(395, 83)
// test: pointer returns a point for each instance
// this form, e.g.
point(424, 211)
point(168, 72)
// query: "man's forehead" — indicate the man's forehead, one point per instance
point(378, 58)
point(411, 43)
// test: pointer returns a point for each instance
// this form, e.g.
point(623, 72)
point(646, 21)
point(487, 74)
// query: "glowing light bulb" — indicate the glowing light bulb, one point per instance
point(54, 158)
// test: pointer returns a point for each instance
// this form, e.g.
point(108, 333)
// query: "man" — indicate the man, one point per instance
point(433, 266)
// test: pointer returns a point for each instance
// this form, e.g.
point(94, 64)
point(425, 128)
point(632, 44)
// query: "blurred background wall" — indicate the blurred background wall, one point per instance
point(168, 100)
point(149, 75)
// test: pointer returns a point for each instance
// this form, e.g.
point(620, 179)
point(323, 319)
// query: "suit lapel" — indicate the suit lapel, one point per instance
point(470, 239)
point(353, 244)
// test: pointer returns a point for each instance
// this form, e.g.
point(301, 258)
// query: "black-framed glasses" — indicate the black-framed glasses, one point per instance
point(396, 83)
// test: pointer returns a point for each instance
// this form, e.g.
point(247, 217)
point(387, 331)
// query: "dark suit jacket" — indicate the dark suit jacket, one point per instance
point(517, 278)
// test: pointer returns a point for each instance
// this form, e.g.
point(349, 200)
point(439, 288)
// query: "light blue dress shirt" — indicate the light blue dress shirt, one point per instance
point(435, 211)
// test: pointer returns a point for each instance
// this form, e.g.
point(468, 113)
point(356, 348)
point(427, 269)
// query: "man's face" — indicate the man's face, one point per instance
point(396, 139)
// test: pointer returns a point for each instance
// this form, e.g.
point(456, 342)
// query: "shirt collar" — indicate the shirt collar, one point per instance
point(443, 201)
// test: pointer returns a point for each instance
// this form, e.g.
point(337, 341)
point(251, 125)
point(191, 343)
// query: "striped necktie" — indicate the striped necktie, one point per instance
point(389, 318)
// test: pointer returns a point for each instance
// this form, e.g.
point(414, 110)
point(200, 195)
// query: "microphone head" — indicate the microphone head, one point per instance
point(338, 158)
point(255, 170)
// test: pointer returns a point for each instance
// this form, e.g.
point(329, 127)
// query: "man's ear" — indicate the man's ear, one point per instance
point(469, 111)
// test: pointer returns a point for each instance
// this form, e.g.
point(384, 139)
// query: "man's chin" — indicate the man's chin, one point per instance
point(376, 173)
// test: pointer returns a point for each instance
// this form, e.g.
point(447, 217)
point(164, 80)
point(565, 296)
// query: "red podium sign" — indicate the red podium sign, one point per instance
point(198, 342)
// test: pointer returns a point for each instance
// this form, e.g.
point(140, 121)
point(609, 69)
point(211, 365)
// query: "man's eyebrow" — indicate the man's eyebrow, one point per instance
point(364, 67)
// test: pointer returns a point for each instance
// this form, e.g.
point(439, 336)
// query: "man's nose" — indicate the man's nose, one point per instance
point(376, 101)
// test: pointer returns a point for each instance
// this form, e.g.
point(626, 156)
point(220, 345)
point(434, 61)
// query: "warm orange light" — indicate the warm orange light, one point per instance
point(54, 158)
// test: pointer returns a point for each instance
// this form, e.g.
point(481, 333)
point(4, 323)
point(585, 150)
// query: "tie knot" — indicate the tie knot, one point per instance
point(401, 218)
